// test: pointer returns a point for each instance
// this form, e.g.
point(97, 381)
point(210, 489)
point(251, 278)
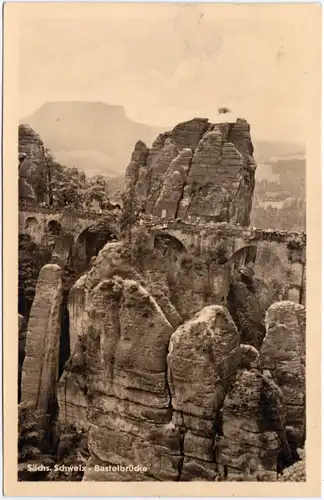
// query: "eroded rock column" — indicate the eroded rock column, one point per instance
point(41, 363)
point(253, 423)
point(129, 400)
point(283, 353)
point(201, 362)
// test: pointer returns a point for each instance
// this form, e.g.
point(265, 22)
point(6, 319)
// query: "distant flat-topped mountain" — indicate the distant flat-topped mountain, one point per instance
point(99, 138)
point(92, 136)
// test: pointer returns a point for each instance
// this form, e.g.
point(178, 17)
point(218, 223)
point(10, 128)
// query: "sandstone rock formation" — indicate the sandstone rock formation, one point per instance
point(41, 363)
point(187, 402)
point(248, 302)
point(136, 174)
point(30, 144)
point(283, 353)
point(204, 351)
point(253, 418)
point(125, 365)
point(198, 169)
point(31, 160)
point(72, 389)
point(174, 363)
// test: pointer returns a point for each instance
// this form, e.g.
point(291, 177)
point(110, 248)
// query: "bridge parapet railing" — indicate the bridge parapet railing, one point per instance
point(68, 210)
point(293, 238)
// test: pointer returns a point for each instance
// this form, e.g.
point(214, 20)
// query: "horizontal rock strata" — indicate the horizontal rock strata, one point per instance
point(283, 353)
point(185, 402)
point(253, 418)
point(203, 350)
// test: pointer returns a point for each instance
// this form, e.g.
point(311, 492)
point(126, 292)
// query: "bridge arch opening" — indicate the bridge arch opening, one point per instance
point(91, 241)
point(272, 265)
point(168, 244)
point(32, 227)
point(241, 265)
point(54, 227)
point(244, 256)
point(30, 222)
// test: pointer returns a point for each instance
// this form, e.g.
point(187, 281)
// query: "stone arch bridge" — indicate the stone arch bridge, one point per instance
point(69, 232)
point(38, 223)
point(275, 255)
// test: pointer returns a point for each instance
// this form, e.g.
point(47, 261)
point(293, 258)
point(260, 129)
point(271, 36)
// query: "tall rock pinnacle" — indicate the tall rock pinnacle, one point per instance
point(199, 169)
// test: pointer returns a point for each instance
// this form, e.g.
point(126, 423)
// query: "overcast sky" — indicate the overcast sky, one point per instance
point(168, 63)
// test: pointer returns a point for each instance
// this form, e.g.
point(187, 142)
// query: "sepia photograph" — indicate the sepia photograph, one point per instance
point(162, 217)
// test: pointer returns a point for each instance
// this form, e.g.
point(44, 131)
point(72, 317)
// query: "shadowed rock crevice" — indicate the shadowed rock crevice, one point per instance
point(64, 353)
point(21, 349)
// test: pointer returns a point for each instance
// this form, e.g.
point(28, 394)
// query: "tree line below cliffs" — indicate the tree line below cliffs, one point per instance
point(59, 186)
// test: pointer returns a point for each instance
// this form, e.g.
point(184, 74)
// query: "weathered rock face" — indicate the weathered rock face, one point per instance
point(248, 302)
point(187, 402)
point(186, 279)
point(198, 169)
point(136, 174)
point(30, 144)
point(297, 471)
point(124, 357)
point(72, 389)
point(77, 306)
point(26, 191)
point(253, 418)
point(174, 181)
point(283, 353)
point(31, 161)
point(168, 309)
point(41, 363)
point(204, 351)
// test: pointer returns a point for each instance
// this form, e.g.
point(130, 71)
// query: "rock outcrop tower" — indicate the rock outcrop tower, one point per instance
point(198, 170)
